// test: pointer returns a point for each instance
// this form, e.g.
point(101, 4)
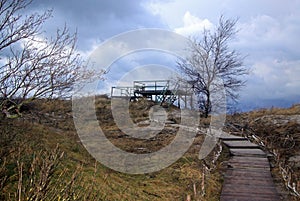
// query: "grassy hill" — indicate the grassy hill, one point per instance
point(277, 130)
point(42, 158)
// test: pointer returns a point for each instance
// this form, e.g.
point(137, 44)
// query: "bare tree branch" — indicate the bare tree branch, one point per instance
point(32, 66)
point(210, 57)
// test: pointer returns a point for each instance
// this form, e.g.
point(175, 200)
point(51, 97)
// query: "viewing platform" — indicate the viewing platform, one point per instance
point(161, 91)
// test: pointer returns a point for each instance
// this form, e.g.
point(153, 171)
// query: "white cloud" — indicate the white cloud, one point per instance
point(273, 36)
point(273, 79)
point(269, 31)
point(261, 32)
point(193, 25)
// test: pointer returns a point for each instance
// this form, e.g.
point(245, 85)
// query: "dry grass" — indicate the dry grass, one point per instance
point(278, 130)
point(43, 159)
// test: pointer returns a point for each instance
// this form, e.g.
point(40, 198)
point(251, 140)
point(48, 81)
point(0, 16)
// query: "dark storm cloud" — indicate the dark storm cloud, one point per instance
point(269, 32)
point(269, 36)
point(96, 21)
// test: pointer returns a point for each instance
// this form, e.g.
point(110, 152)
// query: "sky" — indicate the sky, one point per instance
point(268, 36)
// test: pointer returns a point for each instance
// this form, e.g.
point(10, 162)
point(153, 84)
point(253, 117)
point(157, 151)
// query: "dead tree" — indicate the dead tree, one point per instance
point(31, 65)
point(211, 58)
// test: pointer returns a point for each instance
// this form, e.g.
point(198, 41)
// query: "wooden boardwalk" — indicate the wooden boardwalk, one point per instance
point(248, 176)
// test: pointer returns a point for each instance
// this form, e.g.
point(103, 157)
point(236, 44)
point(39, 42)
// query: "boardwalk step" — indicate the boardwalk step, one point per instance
point(247, 197)
point(240, 144)
point(248, 175)
point(228, 137)
point(258, 182)
point(254, 190)
point(248, 172)
point(239, 162)
point(247, 152)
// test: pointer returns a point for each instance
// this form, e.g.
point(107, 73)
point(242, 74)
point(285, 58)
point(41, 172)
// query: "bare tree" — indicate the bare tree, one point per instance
point(32, 66)
point(211, 58)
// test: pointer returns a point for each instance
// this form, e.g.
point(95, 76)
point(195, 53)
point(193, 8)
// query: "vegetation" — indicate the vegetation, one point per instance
point(41, 155)
point(278, 131)
point(32, 65)
point(212, 59)
point(43, 159)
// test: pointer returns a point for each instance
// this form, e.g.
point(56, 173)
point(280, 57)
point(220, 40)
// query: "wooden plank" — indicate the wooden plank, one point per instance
point(250, 158)
point(245, 164)
point(248, 175)
point(249, 161)
point(247, 152)
point(234, 139)
point(257, 181)
point(240, 144)
point(247, 197)
point(251, 190)
point(227, 137)
point(249, 171)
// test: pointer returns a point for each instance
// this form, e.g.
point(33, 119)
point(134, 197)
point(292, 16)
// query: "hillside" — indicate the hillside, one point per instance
point(278, 132)
point(42, 157)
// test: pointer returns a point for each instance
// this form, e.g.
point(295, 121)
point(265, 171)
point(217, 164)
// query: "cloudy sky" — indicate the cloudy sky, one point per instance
point(268, 36)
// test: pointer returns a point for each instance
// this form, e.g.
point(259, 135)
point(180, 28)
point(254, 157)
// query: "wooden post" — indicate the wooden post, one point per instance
point(195, 190)
point(203, 181)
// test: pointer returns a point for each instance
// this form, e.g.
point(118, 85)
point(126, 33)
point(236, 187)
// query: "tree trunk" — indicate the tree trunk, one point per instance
point(207, 105)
